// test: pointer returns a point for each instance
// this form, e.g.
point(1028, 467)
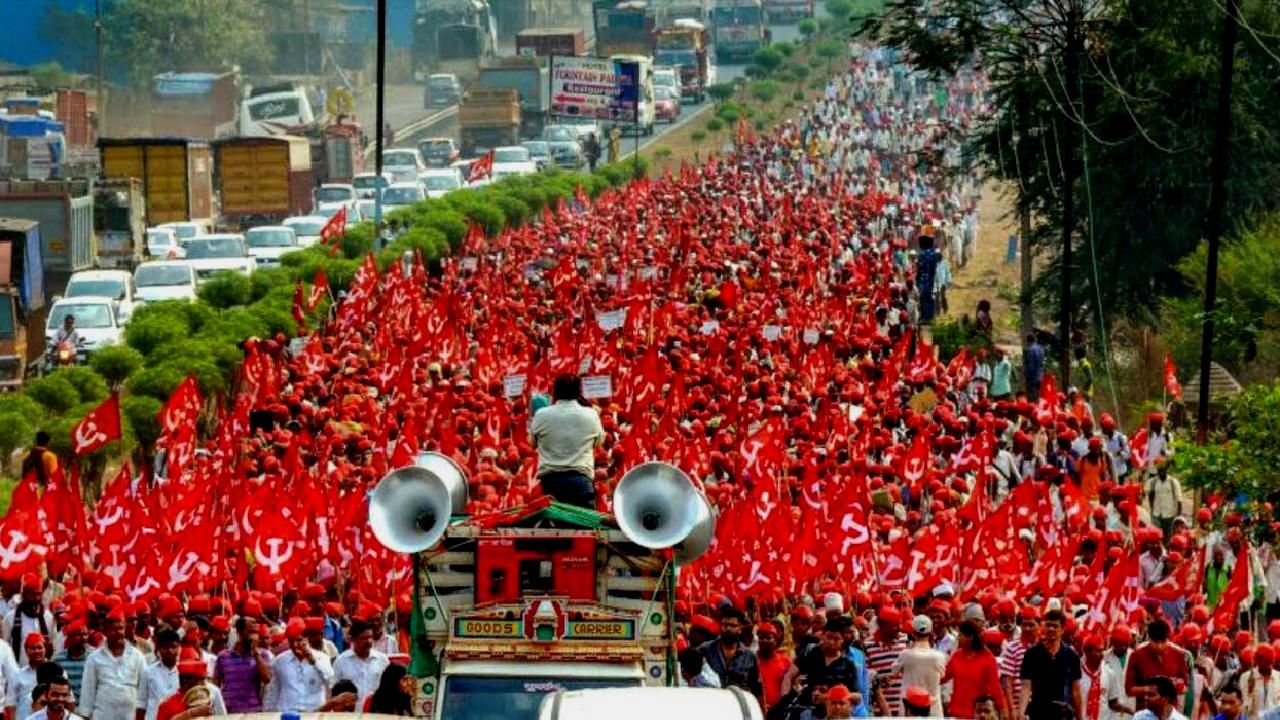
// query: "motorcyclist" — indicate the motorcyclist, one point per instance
point(67, 333)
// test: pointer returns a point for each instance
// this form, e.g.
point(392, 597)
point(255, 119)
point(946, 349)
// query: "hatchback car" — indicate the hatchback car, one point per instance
point(442, 90)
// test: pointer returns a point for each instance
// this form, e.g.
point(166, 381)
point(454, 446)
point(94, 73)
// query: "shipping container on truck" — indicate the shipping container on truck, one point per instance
point(205, 106)
point(622, 27)
point(530, 78)
point(545, 42)
point(22, 301)
point(263, 180)
point(64, 209)
point(176, 174)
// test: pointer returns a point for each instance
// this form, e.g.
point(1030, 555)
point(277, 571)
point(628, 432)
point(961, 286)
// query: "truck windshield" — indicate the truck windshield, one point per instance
point(511, 155)
point(676, 57)
point(504, 698)
point(87, 315)
point(212, 248)
point(273, 108)
point(741, 15)
point(398, 159)
point(162, 275)
point(104, 287)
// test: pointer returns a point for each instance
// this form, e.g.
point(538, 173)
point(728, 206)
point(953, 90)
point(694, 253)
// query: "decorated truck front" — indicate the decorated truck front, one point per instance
point(514, 605)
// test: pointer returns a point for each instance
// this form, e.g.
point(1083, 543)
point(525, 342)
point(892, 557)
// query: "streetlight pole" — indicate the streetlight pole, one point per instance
point(378, 136)
point(102, 65)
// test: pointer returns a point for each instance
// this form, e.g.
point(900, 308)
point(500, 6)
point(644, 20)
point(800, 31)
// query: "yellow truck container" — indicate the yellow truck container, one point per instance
point(263, 180)
point(176, 175)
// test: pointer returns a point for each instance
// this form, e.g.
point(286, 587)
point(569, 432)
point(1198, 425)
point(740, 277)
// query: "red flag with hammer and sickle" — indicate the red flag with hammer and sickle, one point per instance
point(99, 427)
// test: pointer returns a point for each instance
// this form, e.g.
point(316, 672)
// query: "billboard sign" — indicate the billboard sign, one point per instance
point(596, 88)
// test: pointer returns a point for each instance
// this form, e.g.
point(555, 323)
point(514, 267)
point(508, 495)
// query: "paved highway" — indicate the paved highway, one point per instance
point(403, 103)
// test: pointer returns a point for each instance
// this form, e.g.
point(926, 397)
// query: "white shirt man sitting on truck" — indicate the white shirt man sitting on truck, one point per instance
point(566, 434)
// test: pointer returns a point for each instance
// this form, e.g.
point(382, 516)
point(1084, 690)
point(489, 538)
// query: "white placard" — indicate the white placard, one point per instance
point(297, 345)
point(584, 367)
point(648, 272)
point(611, 320)
point(513, 386)
point(709, 327)
point(772, 332)
point(469, 264)
point(597, 386)
point(811, 336)
point(611, 280)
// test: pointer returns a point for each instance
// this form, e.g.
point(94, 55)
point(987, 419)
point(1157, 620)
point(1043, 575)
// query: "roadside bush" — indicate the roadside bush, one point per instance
point(141, 414)
point(715, 125)
point(227, 289)
point(430, 242)
point(156, 382)
point(147, 333)
point(799, 72)
point(54, 392)
point(90, 386)
point(515, 210)
point(358, 240)
point(264, 281)
point(786, 48)
point(16, 431)
point(764, 90)
point(839, 9)
point(452, 224)
point(807, 27)
point(755, 72)
point(60, 428)
point(798, 96)
point(768, 58)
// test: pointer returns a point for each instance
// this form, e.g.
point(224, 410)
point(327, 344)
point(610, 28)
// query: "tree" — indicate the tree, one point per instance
point(1243, 455)
point(50, 76)
point(807, 28)
point(764, 90)
point(721, 92)
point(147, 37)
point(1134, 126)
point(767, 58)
point(839, 9)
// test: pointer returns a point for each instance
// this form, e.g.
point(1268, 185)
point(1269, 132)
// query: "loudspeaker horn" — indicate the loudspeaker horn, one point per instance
point(409, 510)
point(657, 506)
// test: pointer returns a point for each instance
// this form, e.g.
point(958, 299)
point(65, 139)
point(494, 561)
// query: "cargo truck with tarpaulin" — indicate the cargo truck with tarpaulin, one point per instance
point(64, 210)
point(22, 301)
point(198, 105)
point(176, 174)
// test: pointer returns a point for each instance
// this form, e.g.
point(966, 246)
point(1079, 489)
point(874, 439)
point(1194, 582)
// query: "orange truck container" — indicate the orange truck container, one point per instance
point(176, 174)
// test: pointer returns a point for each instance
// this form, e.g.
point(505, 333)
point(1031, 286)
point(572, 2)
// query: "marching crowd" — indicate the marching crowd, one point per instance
point(896, 536)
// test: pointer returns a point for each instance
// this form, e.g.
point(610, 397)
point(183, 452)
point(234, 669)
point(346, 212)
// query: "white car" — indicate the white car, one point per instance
point(307, 228)
point(366, 183)
point(332, 197)
point(668, 76)
point(186, 229)
point(212, 254)
point(402, 164)
point(402, 195)
point(114, 284)
point(96, 322)
point(165, 280)
point(163, 242)
point(513, 160)
point(269, 242)
point(439, 181)
point(582, 127)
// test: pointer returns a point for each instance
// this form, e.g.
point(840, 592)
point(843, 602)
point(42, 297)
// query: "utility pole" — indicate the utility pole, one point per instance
point(380, 119)
point(1217, 207)
point(1073, 49)
point(102, 69)
point(1021, 148)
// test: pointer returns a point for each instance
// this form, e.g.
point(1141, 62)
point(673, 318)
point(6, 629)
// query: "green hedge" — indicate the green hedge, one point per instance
point(166, 341)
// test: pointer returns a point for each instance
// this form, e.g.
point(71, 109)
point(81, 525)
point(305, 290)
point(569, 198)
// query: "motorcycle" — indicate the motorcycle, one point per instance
point(64, 354)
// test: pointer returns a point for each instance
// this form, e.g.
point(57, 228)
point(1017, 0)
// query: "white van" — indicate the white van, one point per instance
point(285, 112)
point(646, 703)
point(645, 110)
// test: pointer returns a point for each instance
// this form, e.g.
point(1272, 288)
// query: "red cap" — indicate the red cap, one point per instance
point(31, 582)
point(992, 636)
point(1121, 633)
point(116, 614)
point(1094, 641)
point(251, 608)
point(889, 614)
point(705, 623)
point(314, 624)
point(221, 623)
point(767, 627)
point(1028, 612)
point(312, 592)
point(295, 628)
point(1265, 653)
point(838, 692)
point(33, 639)
point(194, 668)
point(802, 611)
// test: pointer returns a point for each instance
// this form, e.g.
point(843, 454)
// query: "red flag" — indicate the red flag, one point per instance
point(299, 309)
point(1237, 591)
point(319, 288)
point(99, 427)
point(1117, 598)
point(1171, 385)
point(20, 543)
point(332, 232)
point(481, 168)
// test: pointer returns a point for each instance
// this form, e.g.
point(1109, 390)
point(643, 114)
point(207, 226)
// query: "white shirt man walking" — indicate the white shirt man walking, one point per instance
point(300, 677)
point(360, 663)
point(112, 675)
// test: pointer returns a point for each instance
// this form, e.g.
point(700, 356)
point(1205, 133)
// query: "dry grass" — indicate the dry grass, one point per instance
point(987, 276)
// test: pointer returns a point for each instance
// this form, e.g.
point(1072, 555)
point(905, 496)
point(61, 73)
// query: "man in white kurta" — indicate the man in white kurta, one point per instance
point(112, 676)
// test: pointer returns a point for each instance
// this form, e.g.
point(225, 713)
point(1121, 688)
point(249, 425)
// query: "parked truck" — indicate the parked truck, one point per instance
point(684, 45)
point(176, 174)
point(529, 77)
point(452, 36)
point(64, 210)
point(622, 28)
point(488, 118)
point(205, 106)
point(739, 28)
point(22, 301)
point(545, 42)
point(263, 180)
point(120, 222)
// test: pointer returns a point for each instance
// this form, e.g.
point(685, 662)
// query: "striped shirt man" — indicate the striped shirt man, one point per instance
point(881, 657)
point(1011, 669)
